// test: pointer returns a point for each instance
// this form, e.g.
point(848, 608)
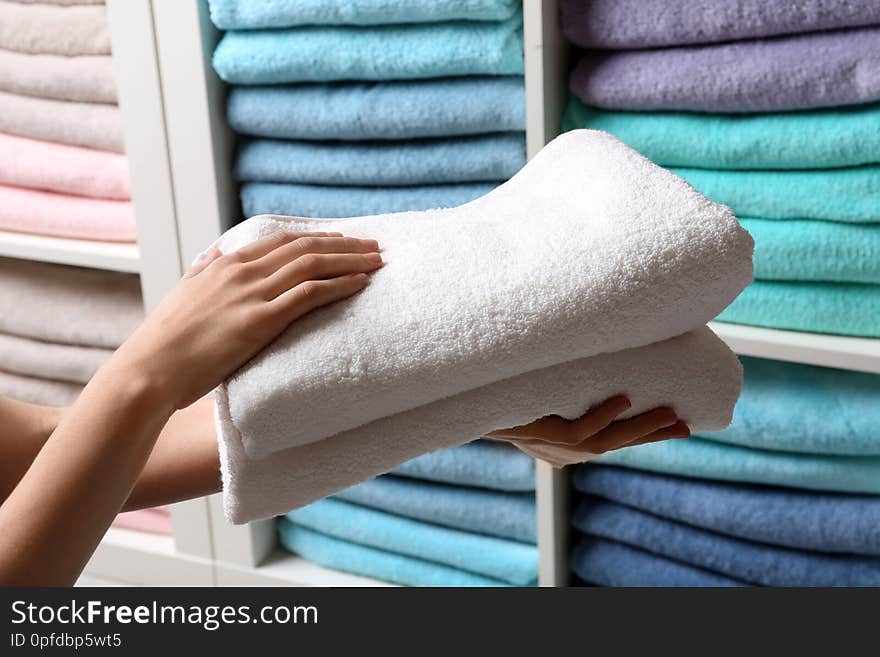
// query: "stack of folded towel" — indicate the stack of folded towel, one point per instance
point(62, 171)
point(458, 517)
point(151, 521)
point(787, 495)
point(767, 107)
point(58, 325)
point(369, 107)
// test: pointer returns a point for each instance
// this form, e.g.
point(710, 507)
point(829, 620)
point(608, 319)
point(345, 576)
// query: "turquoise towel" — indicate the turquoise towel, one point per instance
point(380, 110)
point(507, 515)
point(710, 460)
point(481, 463)
point(493, 157)
point(838, 308)
point(386, 52)
point(247, 14)
point(333, 202)
point(809, 250)
point(838, 137)
point(370, 562)
point(508, 561)
point(848, 194)
point(801, 408)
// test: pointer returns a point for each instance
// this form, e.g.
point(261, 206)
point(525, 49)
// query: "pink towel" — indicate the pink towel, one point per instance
point(47, 213)
point(61, 168)
point(154, 521)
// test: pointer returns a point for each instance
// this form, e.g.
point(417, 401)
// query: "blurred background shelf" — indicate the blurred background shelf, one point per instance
point(113, 256)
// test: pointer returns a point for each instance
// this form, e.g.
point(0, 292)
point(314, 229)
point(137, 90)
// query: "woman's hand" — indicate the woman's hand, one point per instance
point(565, 442)
point(228, 307)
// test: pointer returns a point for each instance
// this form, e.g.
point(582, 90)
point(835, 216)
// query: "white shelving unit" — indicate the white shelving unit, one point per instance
point(62, 251)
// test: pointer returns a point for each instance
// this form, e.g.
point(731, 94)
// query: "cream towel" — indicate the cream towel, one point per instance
point(50, 360)
point(57, 30)
point(87, 78)
point(38, 391)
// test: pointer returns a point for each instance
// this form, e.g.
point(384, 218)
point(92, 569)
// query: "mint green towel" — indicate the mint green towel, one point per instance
point(840, 308)
point(708, 460)
point(806, 250)
point(825, 138)
point(849, 194)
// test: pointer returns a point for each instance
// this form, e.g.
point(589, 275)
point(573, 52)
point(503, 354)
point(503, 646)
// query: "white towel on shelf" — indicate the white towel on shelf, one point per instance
point(695, 373)
point(589, 249)
point(57, 30)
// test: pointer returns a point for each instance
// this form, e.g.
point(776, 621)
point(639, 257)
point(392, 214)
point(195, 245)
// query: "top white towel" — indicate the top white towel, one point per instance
point(589, 249)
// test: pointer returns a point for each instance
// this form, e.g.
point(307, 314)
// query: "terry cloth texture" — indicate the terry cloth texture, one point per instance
point(61, 168)
point(607, 563)
point(56, 30)
point(831, 251)
point(694, 259)
point(85, 78)
point(802, 408)
point(379, 564)
point(822, 69)
point(822, 522)
point(70, 305)
point(94, 125)
point(386, 52)
point(711, 460)
point(62, 215)
point(329, 201)
point(837, 308)
point(756, 563)
point(483, 463)
point(506, 515)
point(50, 360)
point(380, 110)
point(34, 390)
point(811, 139)
point(623, 24)
point(848, 194)
point(245, 14)
point(505, 560)
point(492, 157)
point(255, 488)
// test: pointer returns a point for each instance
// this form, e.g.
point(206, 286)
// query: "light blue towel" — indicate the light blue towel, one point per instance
point(607, 563)
point(336, 202)
point(757, 563)
point(710, 460)
point(823, 522)
point(507, 515)
point(508, 561)
point(493, 157)
point(385, 52)
point(805, 250)
point(801, 408)
point(481, 463)
point(380, 110)
point(847, 194)
point(247, 14)
point(838, 308)
point(362, 560)
point(824, 138)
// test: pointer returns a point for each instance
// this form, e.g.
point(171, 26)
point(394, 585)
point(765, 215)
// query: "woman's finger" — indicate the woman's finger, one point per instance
point(200, 266)
point(624, 432)
point(287, 253)
point(314, 266)
point(559, 431)
point(312, 294)
point(678, 430)
point(259, 248)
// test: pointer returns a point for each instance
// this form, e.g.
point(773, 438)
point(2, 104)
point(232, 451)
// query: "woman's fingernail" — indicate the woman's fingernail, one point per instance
point(374, 258)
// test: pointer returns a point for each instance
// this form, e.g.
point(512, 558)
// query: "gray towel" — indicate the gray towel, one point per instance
point(38, 391)
point(70, 305)
point(87, 78)
point(57, 30)
point(83, 124)
point(50, 360)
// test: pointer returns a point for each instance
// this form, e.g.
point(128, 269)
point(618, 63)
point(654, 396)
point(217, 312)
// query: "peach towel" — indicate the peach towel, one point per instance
point(154, 521)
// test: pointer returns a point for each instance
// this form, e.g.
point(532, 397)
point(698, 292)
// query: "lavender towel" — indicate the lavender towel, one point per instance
point(786, 73)
point(624, 24)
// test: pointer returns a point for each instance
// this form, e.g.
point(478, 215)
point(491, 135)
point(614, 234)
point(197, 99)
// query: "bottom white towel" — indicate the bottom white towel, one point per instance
point(695, 373)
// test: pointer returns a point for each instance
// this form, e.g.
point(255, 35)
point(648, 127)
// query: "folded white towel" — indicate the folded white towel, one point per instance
point(589, 249)
point(57, 30)
point(695, 373)
point(86, 78)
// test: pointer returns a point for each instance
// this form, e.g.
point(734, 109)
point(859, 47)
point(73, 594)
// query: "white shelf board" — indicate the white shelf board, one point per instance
point(114, 256)
point(285, 569)
point(842, 352)
point(132, 557)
